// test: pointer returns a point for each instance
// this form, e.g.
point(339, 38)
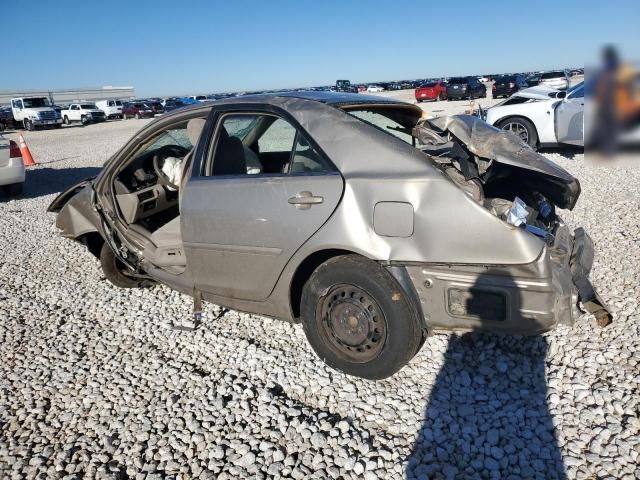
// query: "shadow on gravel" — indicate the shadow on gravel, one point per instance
point(42, 181)
point(566, 151)
point(487, 414)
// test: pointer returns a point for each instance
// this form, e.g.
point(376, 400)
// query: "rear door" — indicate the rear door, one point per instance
point(258, 193)
point(569, 118)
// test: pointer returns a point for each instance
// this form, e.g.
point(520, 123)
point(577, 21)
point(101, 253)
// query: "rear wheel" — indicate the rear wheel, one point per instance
point(357, 318)
point(114, 269)
point(521, 127)
point(440, 97)
point(137, 116)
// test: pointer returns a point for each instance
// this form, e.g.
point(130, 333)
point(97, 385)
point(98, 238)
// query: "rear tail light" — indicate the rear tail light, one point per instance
point(14, 150)
point(494, 87)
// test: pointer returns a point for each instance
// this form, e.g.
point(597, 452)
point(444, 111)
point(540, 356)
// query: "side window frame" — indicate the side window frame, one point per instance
point(204, 156)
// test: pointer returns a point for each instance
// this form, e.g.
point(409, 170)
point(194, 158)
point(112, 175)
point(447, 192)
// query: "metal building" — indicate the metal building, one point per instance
point(63, 96)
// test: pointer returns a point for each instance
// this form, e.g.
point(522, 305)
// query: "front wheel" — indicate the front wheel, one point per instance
point(358, 319)
point(114, 270)
point(65, 120)
point(137, 116)
point(521, 127)
point(28, 125)
point(440, 97)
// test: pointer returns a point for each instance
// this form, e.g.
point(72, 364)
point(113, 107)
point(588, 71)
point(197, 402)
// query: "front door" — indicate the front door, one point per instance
point(569, 121)
point(259, 195)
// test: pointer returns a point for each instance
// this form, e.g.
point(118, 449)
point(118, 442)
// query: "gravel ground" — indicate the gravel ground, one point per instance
point(95, 384)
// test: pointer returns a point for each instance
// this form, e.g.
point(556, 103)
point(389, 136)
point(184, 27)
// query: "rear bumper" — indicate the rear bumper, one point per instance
point(512, 299)
point(504, 91)
point(457, 93)
point(13, 172)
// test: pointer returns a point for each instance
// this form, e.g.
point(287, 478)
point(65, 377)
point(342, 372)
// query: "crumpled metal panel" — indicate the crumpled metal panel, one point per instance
point(503, 147)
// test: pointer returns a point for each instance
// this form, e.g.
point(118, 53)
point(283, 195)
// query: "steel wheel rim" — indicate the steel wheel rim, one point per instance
point(352, 323)
point(519, 129)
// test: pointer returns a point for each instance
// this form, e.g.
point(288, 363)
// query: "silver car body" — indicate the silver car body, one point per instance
point(248, 247)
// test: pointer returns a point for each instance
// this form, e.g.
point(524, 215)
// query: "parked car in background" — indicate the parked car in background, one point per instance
point(345, 86)
point(558, 79)
point(532, 79)
point(136, 110)
point(465, 87)
point(374, 88)
point(84, 113)
point(348, 237)
point(431, 91)
point(361, 88)
point(112, 108)
point(170, 105)
point(34, 112)
point(542, 116)
point(507, 85)
point(198, 98)
point(155, 106)
point(6, 118)
point(12, 171)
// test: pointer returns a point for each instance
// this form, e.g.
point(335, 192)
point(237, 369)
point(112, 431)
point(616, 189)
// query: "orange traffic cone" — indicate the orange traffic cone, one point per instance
point(27, 159)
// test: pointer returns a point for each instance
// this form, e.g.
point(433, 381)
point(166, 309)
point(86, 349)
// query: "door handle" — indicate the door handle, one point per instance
point(304, 200)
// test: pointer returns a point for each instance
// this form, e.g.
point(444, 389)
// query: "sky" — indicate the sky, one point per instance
point(181, 47)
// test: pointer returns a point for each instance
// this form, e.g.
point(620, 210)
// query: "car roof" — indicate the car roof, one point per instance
point(328, 98)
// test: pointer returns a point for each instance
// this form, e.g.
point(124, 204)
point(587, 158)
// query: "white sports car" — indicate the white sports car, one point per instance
point(542, 116)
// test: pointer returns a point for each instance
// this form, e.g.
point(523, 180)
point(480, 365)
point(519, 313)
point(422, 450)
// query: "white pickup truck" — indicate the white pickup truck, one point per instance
point(82, 112)
point(34, 112)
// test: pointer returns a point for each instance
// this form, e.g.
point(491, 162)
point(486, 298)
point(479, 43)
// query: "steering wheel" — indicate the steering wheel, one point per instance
point(160, 155)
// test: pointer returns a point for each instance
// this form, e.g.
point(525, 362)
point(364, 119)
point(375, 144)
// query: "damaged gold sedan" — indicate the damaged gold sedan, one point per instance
point(348, 213)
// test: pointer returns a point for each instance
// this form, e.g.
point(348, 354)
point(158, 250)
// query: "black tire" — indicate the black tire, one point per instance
point(357, 318)
point(65, 120)
point(124, 116)
point(113, 268)
point(28, 125)
point(532, 134)
point(440, 97)
point(484, 92)
point(138, 116)
point(13, 189)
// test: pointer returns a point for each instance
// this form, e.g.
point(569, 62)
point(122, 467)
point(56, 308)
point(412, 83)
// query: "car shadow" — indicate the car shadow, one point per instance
point(566, 151)
point(487, 414)
point(41, 181)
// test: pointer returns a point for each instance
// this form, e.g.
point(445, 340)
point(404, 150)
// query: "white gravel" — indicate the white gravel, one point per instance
point(95, 384)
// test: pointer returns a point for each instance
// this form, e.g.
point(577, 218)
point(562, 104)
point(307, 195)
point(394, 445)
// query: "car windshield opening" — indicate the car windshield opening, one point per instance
point(36, 102)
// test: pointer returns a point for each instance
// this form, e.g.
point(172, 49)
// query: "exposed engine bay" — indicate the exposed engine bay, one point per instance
point(500, 172)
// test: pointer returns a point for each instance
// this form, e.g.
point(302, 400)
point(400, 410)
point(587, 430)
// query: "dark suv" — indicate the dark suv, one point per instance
point(507, 85)
point(460, 88)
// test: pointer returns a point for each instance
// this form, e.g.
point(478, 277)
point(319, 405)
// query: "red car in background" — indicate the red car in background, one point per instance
point(431, 91)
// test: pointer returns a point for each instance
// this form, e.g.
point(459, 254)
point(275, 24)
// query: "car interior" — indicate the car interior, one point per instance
point(147, 189)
